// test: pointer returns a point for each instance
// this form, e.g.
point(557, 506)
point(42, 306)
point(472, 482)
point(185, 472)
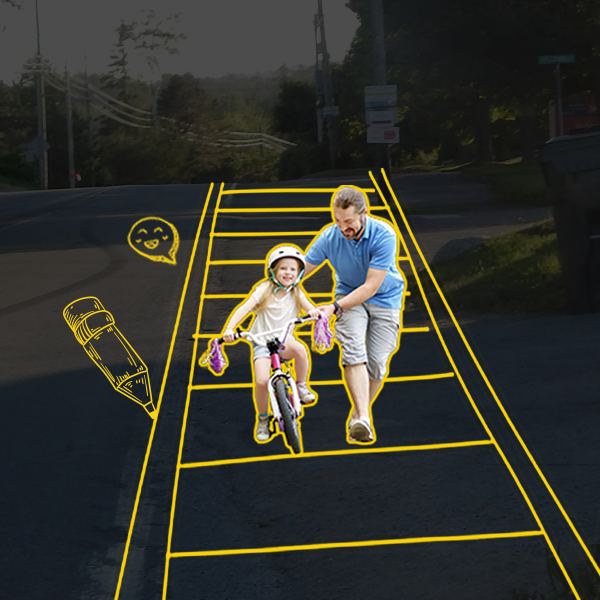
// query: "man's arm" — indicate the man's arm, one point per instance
point(365, 291)
point(361, 294)
point(309, 269)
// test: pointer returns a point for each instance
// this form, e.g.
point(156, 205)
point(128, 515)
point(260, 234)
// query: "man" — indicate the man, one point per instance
point(369, 293)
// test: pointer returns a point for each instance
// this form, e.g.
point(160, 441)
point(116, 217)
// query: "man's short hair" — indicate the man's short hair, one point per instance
point(348, 196)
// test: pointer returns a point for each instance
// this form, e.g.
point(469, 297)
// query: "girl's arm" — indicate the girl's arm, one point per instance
point(237, 317)
point(307, 306)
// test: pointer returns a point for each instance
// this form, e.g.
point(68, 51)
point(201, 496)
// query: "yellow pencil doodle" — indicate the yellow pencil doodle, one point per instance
point(155, 239)
point(95, 329)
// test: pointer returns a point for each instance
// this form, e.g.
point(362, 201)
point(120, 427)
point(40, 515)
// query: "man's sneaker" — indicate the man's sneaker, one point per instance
point(263, 433)
point(360, 430)
point(306, 396)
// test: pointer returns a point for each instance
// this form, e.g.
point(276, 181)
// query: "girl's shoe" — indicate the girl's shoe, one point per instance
point(306, 396)
point(263, 432)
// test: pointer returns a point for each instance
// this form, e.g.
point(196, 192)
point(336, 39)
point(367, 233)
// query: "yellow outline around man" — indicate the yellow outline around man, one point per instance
point(369, 296)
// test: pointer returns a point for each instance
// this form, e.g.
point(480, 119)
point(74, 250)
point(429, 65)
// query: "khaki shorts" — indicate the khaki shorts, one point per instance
point(368, 334)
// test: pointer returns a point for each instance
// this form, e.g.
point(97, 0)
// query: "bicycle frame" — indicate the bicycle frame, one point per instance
point(284, 397)
point(275, 346)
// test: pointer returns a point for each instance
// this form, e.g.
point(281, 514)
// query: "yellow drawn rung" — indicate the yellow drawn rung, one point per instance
point(254, 459)
point(287, 209)
point(263, 234)
point(207, 336)
point(223, 386)
point(292, 191)
point(392, 542)
point(221, 296)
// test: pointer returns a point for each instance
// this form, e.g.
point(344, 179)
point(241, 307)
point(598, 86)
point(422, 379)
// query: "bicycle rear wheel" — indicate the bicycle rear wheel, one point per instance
point(290, 426)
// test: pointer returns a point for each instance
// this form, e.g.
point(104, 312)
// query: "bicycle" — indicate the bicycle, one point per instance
point(284, 398)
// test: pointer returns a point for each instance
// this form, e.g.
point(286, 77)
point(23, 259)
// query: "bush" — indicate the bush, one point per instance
point(14, 167)
point(303, 159)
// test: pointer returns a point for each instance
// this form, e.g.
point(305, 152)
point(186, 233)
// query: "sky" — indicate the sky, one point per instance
point(223, 36)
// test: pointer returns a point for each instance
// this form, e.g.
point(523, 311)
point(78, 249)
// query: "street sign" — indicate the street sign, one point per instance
point(381, 96)
point(381, 117)
point(330, 111)
point(553, 59)
point(37, 145)
point(382, 134)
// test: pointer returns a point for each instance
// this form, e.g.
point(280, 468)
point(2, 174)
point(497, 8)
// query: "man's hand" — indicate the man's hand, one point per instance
point(327, 310)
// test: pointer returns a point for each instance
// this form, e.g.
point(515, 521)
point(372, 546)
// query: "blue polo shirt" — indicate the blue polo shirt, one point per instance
point(351, 260)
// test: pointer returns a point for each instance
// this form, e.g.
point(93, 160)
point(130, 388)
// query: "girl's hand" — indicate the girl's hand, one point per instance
point(314, 312)
point(229, 336)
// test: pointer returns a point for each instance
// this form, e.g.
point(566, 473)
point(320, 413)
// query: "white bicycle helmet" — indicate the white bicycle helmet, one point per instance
point(285, 252)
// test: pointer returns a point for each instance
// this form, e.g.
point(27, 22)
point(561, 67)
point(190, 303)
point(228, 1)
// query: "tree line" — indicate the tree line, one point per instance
point(469, 86)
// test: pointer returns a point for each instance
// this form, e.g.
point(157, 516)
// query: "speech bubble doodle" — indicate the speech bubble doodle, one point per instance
point(155, 238)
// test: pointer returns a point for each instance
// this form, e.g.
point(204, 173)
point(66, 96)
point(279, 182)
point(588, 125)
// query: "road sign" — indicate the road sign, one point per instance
point(37, 145)
point(553, 59)
point(382, 134)
point(381, 117)
point(330, 111)
point(381, 96)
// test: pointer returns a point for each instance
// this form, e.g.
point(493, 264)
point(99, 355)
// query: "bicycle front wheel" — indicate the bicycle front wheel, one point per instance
point(290, 426)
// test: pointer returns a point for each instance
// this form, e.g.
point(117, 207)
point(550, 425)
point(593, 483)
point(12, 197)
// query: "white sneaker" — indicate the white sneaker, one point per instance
point(360, 430)
point(306, 396)
point(263, 433)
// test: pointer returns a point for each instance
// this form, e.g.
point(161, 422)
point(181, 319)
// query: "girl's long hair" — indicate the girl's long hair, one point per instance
point(269, 293)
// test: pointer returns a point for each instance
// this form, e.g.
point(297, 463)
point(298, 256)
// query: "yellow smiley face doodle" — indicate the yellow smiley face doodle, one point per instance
point(155, 239)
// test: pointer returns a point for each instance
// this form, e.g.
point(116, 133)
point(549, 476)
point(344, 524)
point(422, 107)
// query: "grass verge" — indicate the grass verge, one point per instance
point(513, 273)
point(8, 184)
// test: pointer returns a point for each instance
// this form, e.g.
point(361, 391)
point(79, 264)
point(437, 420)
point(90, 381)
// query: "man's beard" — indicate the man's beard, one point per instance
point(362, 226)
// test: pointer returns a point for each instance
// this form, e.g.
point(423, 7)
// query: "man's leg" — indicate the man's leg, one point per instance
point(374, 387)
point(351, 329)
point(358, 386)
point(382, 341)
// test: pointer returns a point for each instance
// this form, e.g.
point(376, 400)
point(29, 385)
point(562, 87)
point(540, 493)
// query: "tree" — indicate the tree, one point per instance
point(460, 65)
point(295, 111)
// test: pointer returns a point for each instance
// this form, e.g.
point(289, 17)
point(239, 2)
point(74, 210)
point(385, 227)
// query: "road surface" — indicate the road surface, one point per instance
point(99, 498)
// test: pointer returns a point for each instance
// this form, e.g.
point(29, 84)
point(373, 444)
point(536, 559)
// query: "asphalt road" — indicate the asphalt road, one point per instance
point(74, 448)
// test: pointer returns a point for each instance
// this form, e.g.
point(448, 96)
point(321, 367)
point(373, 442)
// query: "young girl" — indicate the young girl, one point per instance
point(275, 302)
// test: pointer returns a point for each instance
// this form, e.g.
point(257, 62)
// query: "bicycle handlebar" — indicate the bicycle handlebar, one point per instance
point(249, 336)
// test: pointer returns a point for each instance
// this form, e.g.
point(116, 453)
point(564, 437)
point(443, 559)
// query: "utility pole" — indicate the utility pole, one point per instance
point(559, 106)
point(379, 75)
point(323, 63)
point(41, 108)
point(89, 123)
point(70, 131)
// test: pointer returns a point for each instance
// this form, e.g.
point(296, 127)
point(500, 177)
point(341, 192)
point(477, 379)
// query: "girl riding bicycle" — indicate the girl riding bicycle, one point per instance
point(274, 302)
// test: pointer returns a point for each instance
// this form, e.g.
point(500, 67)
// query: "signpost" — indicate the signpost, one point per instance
point(381, 114)
point(37, 146)
point(557, 59)
point(382, 134)
point(330, 111)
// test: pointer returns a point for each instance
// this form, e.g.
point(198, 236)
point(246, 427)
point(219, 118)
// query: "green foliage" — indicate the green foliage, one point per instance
point(295, 111)
point(183, 100)
point(468, 70)
point(513, 273)
point(303, 159)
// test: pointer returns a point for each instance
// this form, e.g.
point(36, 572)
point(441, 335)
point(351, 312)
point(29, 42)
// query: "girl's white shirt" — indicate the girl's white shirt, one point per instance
point(276, 314)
